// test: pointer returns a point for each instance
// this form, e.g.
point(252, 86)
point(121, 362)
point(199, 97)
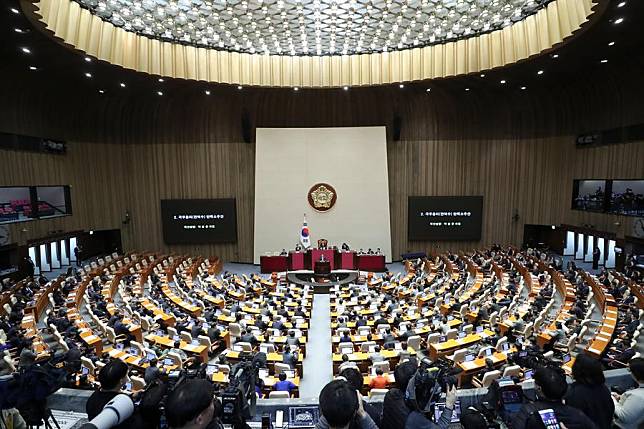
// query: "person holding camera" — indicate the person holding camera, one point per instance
point(419, 418)
point(550, 387)
point(112, 377)
point(192, 405)
point(341, 407)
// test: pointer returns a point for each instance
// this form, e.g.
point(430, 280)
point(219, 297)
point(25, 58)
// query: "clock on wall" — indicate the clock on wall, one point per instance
point(638, 228)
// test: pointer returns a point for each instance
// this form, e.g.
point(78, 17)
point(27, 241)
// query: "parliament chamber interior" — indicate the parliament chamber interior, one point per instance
point(361, 214)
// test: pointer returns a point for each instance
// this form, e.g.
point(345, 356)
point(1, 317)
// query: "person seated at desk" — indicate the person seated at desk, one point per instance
point(284, 385)
point(378, 251)
point(619, 354)
point(369, 252)
point(291, 340)
point(248, 337)
point(289, 357)
point(298, 247)
point(345, 338)
point(379, 381)
point(279, 325)
point(557, 336)
point(322, 258)
point(175, 349)
point(346, 363)
point(389, 340)
point(345, 247)
point(629, 406)
point(283, 252)
point(376, 356)
point(152, 372)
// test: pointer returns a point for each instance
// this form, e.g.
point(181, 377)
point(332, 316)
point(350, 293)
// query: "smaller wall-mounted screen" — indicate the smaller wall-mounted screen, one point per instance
point(589, 195)
point(445, 218)
point(199, 221)
point(23, 203)
point(53, 201)
point(627, 197)
point(15, 204)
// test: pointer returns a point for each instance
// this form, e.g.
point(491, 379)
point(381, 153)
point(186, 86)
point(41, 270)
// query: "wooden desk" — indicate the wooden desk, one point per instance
point(190, 349)
point(439, 349)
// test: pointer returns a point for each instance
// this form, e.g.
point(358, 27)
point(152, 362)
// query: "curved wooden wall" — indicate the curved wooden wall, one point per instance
point(515, 148)
point(547, 28)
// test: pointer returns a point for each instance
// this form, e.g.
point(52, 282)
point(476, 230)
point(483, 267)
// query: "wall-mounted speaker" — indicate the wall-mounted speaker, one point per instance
point(246, 126)
point(397, 126)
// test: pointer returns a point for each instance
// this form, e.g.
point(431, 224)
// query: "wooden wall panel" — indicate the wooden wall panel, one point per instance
point(129, 152)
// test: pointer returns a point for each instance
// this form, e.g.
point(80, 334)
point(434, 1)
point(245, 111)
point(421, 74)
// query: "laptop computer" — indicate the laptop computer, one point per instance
point(469, 358)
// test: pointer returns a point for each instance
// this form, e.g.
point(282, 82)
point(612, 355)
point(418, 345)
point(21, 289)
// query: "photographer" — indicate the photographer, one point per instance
point(341, 408)
point(112, 378)
point(551, 387)
point(191, 405)
point(418, 419)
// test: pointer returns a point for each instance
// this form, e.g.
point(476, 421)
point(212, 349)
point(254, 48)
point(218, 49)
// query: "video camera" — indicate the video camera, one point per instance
point(238, 398)
point(428, 383)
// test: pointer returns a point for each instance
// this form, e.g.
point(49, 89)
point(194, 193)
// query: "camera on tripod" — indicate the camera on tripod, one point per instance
point(428, 383)
point(238, 398)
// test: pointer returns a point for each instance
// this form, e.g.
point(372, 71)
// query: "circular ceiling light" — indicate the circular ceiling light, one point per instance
point(319, 27)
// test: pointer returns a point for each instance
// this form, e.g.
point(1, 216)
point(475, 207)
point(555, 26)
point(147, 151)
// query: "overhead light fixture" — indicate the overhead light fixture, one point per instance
point(25, 50)
point(540, 72)
point(482, 74)
point(207, 92)
point(14, 10)
point(88, 74)
point(122, 84)
point(33, 68)
point(101, 91)
point(611, 43)
point(240, 87)
point(401, 86)
point(296, 89)
point(619, 20)
point(88, 59)
point(159, 92)
point(346, 88)
point(467, 89)
point(18, 30)
point(523, 88)
point(428, 90)
point(621, 4)
point(503, 82)
point(555, 55)
point(161, 79)
point(604, 61)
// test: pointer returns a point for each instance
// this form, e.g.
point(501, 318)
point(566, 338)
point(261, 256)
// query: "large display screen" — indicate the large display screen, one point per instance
point(627, 197)
point(445, 218)
point(589, 195)
point(199, 221)
point(23, 203)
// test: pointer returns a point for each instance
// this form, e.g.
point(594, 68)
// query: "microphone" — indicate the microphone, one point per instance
point(115, 412)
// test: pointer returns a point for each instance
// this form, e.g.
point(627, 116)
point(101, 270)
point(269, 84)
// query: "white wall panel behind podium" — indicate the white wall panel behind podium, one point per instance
point(288, 161)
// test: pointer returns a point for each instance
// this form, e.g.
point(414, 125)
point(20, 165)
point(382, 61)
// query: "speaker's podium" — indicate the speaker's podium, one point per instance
point(322, 268)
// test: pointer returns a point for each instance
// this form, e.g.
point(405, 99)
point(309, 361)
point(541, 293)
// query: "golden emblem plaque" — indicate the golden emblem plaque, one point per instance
point(322, 197)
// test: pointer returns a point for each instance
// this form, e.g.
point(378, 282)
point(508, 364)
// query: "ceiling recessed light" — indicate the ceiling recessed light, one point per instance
point(296, 89)
point(621, 4)
point(346, 88)
point(88, 74)
point(14, 10)
point(555, 55)
point(619, 20)
point(604, 61)
point(611, 43)
point(428, 90)
point(33, 68)
point(523, 88)
point(482, 74)
point(159, 92)
point(160, 79)
point(503, 81)
point(88, 59)
point(240, 87)
point(25, 50)
point(467, 89)
point(122, 84)
point(401, 86)
point(540, 72)
point(18, 30)
point(207, 92)
point(101, 91)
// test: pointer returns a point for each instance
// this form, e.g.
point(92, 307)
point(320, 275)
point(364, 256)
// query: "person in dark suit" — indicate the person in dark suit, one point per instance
point(596, 254)
point(589, 393)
